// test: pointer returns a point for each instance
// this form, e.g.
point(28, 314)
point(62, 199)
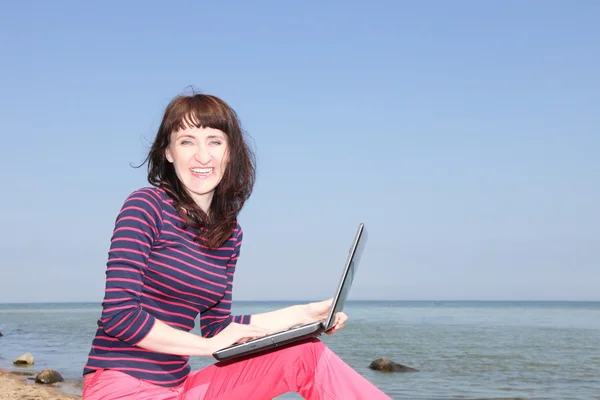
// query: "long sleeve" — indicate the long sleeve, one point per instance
point(218, 317)
point(137, 227)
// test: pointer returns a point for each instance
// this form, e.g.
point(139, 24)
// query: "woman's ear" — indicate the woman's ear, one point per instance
point(168, 155)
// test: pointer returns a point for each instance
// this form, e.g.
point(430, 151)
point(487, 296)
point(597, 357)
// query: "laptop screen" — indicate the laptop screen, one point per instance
point(347, 278)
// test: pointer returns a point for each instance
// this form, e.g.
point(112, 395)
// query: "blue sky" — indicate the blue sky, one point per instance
point(465, 135)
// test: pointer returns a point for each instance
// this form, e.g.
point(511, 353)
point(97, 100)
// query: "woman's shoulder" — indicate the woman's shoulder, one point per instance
point(149, 191)
point(150, 196)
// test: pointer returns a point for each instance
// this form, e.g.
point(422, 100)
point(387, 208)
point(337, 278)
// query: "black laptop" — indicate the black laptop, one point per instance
point(310, 330)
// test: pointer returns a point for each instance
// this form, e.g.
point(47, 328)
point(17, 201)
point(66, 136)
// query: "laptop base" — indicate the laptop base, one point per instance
point(270, 342)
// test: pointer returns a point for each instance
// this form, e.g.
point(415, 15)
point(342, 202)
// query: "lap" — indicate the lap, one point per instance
point(262, 376)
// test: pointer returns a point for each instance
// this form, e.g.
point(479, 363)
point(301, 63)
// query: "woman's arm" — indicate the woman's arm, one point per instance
point(288, 317)
point(284, 318)
point(164, 339)
point(137, 226)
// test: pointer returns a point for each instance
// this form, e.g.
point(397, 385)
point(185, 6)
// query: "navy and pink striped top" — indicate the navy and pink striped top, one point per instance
point(156, 270)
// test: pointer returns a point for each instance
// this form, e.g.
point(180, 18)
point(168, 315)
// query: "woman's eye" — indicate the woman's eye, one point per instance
point(215, 142)
point(186, 142)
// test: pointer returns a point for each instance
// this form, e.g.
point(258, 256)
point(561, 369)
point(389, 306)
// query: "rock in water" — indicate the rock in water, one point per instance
point(1, 334)
point(25, 359)
point(48, 376)
point(386, 365)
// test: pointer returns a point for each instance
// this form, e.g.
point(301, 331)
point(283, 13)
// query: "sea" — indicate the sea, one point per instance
point(461, 349)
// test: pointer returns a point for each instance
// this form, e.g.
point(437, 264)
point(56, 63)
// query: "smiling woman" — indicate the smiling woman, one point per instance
point(199, 156)
point(172, 258)
point(202, 139)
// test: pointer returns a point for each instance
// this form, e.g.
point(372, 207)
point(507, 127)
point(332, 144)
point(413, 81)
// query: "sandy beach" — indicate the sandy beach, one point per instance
point(15, 386)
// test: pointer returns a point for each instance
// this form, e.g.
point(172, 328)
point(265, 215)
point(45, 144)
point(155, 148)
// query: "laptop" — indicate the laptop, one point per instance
point(314, 329)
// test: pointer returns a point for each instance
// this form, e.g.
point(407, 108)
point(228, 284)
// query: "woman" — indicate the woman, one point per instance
point(172, 257)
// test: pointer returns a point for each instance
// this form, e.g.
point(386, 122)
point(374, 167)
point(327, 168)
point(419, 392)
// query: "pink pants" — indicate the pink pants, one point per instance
point(308, 368)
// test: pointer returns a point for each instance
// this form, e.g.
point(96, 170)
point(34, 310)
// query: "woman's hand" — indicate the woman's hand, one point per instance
point(319, 311)
point(236, 333)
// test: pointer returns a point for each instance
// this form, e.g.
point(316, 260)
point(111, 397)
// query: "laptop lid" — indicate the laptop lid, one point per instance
point(354, 256)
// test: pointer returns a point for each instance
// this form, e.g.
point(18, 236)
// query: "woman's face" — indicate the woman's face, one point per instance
point(199, 156)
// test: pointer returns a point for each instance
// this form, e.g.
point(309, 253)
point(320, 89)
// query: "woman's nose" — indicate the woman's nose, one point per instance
point(202, 154)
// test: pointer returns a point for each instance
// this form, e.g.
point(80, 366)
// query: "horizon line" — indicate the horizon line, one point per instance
point(348, 301)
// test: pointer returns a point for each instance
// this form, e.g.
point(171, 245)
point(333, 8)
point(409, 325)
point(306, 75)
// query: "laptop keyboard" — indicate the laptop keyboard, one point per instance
point(275, 333)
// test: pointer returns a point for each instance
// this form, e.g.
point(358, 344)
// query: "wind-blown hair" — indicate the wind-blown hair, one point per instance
point(205, 111)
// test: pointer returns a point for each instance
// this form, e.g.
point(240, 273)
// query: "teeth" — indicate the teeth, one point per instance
point(202, 170)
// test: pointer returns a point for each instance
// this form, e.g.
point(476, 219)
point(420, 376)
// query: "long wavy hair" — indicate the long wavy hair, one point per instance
point(205, 111)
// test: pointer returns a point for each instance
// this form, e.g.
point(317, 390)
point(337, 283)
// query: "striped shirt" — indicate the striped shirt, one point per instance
point(156, 270)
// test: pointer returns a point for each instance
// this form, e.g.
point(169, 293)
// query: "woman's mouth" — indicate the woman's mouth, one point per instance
point(201, 172)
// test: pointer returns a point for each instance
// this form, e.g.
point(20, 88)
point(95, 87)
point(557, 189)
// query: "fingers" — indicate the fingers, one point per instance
point(246, 332)
point(340, 321)
point(255, 331)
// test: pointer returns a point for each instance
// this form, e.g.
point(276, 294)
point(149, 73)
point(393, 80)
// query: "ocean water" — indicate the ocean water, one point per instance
point(463, 350)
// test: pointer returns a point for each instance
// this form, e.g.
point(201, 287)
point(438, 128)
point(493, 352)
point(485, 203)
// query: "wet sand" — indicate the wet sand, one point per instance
point(16, 386)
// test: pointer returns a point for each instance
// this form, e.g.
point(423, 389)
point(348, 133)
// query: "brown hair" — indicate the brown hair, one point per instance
point(205, 111)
